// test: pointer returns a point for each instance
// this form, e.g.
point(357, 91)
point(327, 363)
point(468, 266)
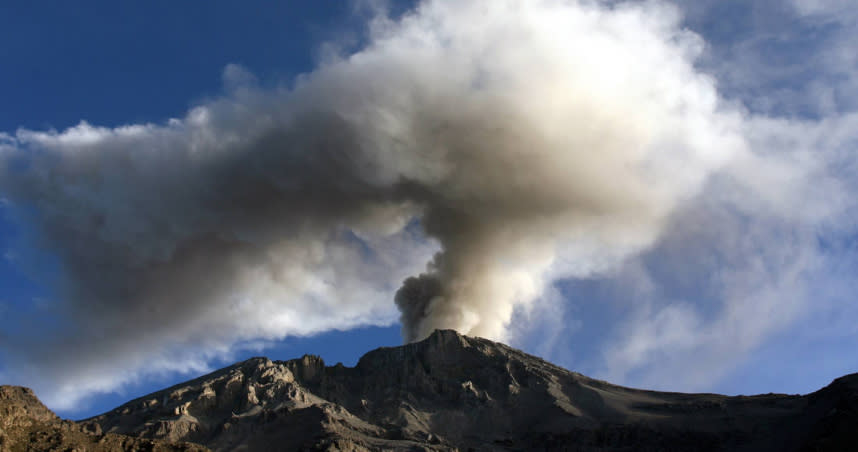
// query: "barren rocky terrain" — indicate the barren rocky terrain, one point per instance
point(452, 392)
point(27, 425)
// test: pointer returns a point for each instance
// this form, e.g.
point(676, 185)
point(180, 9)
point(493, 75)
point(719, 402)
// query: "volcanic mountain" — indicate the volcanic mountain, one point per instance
point(453, 392)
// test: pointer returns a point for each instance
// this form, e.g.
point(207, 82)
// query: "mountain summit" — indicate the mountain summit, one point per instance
point(453, 392)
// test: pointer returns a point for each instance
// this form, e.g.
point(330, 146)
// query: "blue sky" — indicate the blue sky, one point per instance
point(737, 278)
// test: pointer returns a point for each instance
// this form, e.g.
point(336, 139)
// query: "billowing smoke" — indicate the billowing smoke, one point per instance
point(516, 141)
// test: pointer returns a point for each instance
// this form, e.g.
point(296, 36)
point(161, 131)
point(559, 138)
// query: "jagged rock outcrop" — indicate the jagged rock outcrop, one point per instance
point(27, 425)
point(253, 405)
point(452, 392)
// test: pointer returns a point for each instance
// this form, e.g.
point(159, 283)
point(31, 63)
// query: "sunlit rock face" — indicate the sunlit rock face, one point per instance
point(453, 392)
point(27, 425)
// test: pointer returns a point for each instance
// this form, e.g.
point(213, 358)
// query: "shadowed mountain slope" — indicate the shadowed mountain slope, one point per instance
point(452, 392)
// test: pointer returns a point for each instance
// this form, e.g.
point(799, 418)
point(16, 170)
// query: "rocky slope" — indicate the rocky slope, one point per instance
point(451, 392)
point(27, 425)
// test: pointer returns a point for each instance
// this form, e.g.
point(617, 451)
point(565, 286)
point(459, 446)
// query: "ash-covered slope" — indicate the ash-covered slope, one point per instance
point(455, 392)
point(27, 425)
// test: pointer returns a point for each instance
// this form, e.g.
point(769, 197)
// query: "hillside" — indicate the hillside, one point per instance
point(452, 392)
point(27, 425)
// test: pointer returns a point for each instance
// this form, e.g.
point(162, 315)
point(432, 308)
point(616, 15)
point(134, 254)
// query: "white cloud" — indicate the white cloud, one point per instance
point(764, 244)
point(752, 245)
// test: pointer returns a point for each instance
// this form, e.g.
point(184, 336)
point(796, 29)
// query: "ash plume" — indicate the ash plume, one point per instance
point(474, 150)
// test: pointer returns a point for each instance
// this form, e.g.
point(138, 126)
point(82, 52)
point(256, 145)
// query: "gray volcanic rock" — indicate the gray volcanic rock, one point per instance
point(452, 392)
point(27, 425)
point(253, 405)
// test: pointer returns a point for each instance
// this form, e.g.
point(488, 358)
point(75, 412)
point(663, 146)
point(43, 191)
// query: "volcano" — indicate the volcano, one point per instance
point(452, 392)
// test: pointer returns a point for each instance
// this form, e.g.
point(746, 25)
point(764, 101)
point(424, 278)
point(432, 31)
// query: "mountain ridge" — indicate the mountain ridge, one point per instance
point(454, 392)
point(451, 392)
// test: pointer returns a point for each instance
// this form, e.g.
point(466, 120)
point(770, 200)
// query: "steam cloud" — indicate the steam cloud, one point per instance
point(474, 150)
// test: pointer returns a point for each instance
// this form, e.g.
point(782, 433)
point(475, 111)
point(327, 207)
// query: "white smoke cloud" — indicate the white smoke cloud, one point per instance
point(766, 246)
point(505, 143)
point(762, 252)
